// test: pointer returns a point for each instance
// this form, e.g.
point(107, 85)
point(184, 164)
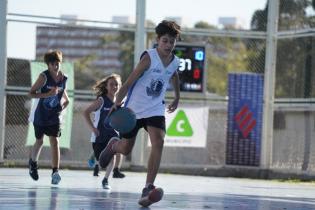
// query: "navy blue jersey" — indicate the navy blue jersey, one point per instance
point(106, 131)
point(47, 111)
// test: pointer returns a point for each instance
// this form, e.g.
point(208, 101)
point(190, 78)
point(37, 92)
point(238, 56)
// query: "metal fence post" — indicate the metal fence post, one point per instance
point(137, 157)
point(3, 71)
point(269, 84)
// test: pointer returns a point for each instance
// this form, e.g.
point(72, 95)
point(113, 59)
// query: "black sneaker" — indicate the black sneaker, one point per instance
point(117, 173)
point(107, 154)
point(33, 169)
point(105, 184)
point(150, 195)
point(96, 170)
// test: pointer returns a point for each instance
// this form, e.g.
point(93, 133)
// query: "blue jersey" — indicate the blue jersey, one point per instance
point(106, 131)
point(46, 111)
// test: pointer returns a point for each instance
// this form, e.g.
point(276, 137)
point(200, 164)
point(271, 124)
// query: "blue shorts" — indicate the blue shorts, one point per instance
point(155, 121)
point(50, 130)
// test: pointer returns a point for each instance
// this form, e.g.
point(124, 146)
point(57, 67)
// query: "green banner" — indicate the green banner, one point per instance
point(66, 125)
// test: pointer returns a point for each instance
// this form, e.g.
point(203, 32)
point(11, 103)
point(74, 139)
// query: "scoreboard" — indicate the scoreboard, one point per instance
point(191, 70)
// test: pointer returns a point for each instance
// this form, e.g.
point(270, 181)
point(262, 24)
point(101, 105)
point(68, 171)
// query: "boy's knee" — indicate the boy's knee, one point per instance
point(40, 142)
point(54, 142)
point(158, 144)
point(126, 149)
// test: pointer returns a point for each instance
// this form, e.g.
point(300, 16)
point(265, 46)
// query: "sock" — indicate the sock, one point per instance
point(33, 163)
point(147, 184)
point(54, 170)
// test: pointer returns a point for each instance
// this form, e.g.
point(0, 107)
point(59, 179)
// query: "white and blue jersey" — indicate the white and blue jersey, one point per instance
point(146, 96)
point(46, 111)
point(99, 122)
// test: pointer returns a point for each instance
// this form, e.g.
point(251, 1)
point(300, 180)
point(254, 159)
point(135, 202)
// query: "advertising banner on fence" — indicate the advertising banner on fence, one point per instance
point(245, 107)
point(187, 127)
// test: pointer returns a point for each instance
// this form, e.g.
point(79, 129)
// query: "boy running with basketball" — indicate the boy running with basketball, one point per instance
point(102, 132)
point(50, 93)
point(146, 87)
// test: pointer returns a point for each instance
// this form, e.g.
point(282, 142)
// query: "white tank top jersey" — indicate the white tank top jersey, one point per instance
point(146, 96)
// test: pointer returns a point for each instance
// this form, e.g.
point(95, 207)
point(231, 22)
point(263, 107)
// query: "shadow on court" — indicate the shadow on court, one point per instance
point(80, 190)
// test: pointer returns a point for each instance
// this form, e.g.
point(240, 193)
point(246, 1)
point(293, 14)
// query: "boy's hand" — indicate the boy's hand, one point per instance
point(53, 91)
point(172, 106)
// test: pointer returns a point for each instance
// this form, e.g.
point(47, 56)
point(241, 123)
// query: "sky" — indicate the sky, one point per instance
point(191, 12)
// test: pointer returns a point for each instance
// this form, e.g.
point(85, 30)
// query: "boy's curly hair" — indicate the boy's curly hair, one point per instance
point(168, 27)
point(53, 56)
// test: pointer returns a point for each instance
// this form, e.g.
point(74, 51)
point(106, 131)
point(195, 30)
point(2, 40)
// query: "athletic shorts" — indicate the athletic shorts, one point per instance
point(51, 130)
point(98, 148)
point(155, 121)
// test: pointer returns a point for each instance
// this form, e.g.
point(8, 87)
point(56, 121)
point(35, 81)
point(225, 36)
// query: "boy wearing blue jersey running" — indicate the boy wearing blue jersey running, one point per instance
point(51, 99)
point(145, 89)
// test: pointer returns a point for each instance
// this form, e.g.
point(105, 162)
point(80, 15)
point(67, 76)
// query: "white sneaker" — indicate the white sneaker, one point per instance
point(55, 178)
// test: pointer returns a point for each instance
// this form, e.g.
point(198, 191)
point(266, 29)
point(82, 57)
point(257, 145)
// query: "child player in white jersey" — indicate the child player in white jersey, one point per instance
point(145, 90)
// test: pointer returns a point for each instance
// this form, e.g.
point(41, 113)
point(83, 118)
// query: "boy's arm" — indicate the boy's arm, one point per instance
point(66, 100)
point(37, 85)
point(143, 65)
point(175, 81)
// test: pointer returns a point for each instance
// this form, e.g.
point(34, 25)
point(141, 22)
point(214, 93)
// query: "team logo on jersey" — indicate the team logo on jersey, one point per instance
point(51, 102)
point(156, 87)
point(157, 70)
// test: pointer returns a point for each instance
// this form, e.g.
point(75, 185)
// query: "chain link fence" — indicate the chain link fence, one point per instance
point(100, 48)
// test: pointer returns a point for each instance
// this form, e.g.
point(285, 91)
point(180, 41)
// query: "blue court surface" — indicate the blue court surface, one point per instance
point(80, 190)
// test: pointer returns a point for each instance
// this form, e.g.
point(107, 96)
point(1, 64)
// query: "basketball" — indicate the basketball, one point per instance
point(122, 120)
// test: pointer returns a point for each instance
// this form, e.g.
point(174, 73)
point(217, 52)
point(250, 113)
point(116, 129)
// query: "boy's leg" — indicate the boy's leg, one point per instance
point(36, 149)
point(55, 154)
point(34, 154)
point(116, 172)
point(150, 194)
point(157, 142)
point(109, 169)
point(55, 151)
point(115, 145)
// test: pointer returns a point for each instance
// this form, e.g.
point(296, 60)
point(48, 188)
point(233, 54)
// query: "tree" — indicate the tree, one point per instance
point(293, 67)
point(224, 55)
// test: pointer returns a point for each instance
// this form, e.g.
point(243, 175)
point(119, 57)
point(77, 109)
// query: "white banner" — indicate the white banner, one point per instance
point(186, 127)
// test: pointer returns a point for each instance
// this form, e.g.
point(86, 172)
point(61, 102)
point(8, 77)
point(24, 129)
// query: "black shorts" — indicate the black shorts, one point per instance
point(98, 148)
point(155, 121)
point(51, 130)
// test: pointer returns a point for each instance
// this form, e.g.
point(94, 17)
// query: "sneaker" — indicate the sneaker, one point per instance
point(117, 173)
point(105, 184)
point(108, 153)
point(33, 169)
point(150, 195)
point(96, 170)
point(55, 178)
point(91, 162)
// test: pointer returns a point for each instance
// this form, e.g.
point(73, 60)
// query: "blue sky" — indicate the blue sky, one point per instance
point(191, 12)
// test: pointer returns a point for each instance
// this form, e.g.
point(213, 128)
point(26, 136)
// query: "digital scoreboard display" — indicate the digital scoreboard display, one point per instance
point(191, 68)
